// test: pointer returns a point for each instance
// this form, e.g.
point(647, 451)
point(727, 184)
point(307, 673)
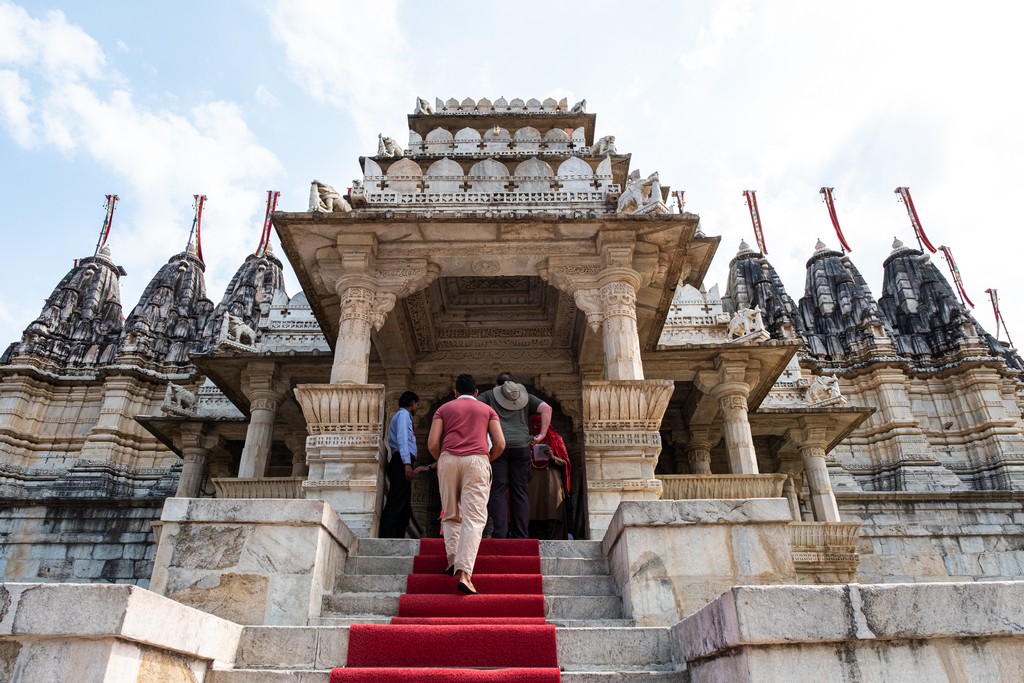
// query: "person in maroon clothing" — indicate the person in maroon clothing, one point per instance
point(458, 440)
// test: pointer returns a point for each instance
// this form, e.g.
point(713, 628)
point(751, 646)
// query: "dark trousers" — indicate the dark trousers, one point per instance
point(394, 518)
point(509, 504)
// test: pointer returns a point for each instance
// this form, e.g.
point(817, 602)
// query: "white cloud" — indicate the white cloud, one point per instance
point(16, 106)
point(162, 157)
point(351, 55)
point(727, 20)
point(60, 50)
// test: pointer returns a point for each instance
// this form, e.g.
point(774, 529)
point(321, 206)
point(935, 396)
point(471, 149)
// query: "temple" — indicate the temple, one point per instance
point(733, 453)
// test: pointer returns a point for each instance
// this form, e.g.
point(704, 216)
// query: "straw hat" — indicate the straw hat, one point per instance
point(511, 396)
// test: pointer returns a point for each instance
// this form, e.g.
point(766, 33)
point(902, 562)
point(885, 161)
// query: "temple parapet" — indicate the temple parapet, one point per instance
point(523, 155)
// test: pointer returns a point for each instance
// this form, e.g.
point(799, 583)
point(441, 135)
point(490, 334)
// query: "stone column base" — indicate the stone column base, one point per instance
point(250, 561)
point(622, 443)
point(670, 558)
point(343, 450)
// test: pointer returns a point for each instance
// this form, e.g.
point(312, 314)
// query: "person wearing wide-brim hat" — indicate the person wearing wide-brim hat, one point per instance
point(509, 504)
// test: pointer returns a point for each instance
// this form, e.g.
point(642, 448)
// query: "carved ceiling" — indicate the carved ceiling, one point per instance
point(456, 313)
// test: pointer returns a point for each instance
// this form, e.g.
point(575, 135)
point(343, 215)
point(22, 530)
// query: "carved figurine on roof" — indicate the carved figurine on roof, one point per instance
point(387, 147)
point(642, 196)
point(325, 199)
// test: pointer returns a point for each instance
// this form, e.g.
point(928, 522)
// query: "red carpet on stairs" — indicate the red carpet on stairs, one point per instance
point(443, 636)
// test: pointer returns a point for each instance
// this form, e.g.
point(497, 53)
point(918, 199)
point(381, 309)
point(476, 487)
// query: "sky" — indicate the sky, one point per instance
point(157, 102)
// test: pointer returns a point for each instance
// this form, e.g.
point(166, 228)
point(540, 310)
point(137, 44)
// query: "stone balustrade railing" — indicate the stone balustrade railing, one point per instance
point(262, 487)
point(721, 486)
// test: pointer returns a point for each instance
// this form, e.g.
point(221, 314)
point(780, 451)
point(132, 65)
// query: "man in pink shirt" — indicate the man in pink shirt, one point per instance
point(458, 441)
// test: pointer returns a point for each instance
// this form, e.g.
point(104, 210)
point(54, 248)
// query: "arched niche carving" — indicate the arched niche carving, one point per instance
point(444, 175)
point(404, 176)
point(467, 141)
point(439, 141)
point(496, 139)
point(371, 175)
point(534, 175)
point(575, 175)
point(488, 176)
point(557, 139)
point(527, 139)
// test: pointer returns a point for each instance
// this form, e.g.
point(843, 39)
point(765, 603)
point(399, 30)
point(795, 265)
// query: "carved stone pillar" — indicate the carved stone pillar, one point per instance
point(605, 288)
point(195, 453)
point(264, 392)
point(297, 446)
point(621, 420)
point(363, 309)
point(793, 469)
point(810, 440)
point(698, 455)
point(343, 450)
point(620, 336)
point(739, 443)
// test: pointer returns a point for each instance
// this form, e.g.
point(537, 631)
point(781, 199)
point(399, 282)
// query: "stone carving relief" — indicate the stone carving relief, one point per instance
point(423, 107)
point(824, 391)
point(747, 325)
point(387, 147)
point(579, 108)
point(605, 145)
point(235, 333)
point(178, 401)
point(325, 199)
point(642, 196)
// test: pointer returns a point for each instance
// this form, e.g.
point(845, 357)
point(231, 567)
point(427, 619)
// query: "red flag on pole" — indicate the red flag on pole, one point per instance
point(197, 224)
point(994, 298)
point(272, 196)
point(922, 239)
point(108, 221)
point(755, 218)
point(956, 275)
point(826, 192)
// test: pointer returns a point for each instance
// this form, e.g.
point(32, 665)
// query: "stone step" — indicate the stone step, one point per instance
point(579, 649)
point(555, 606)
point(339, 620)
point(549, 566)
point(324, 675)
point(408, 547)
point(553, 585)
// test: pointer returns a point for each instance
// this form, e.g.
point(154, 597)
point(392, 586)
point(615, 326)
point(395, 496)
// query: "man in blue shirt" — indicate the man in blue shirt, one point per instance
point(394, 519)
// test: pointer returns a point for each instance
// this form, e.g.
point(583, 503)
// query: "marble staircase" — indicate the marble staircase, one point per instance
point(595, 643)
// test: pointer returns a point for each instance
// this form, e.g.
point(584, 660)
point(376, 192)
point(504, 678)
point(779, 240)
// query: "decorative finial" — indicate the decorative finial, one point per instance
point(896, 244)
point(743, 247)
point(820, 246)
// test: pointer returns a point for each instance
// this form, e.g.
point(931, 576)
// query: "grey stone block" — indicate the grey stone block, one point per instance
point(384, 604)
point(614, 649)
point(583, 607)
point(107, 551)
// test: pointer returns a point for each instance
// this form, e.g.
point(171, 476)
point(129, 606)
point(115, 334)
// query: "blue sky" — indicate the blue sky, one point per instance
point(160, 101)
